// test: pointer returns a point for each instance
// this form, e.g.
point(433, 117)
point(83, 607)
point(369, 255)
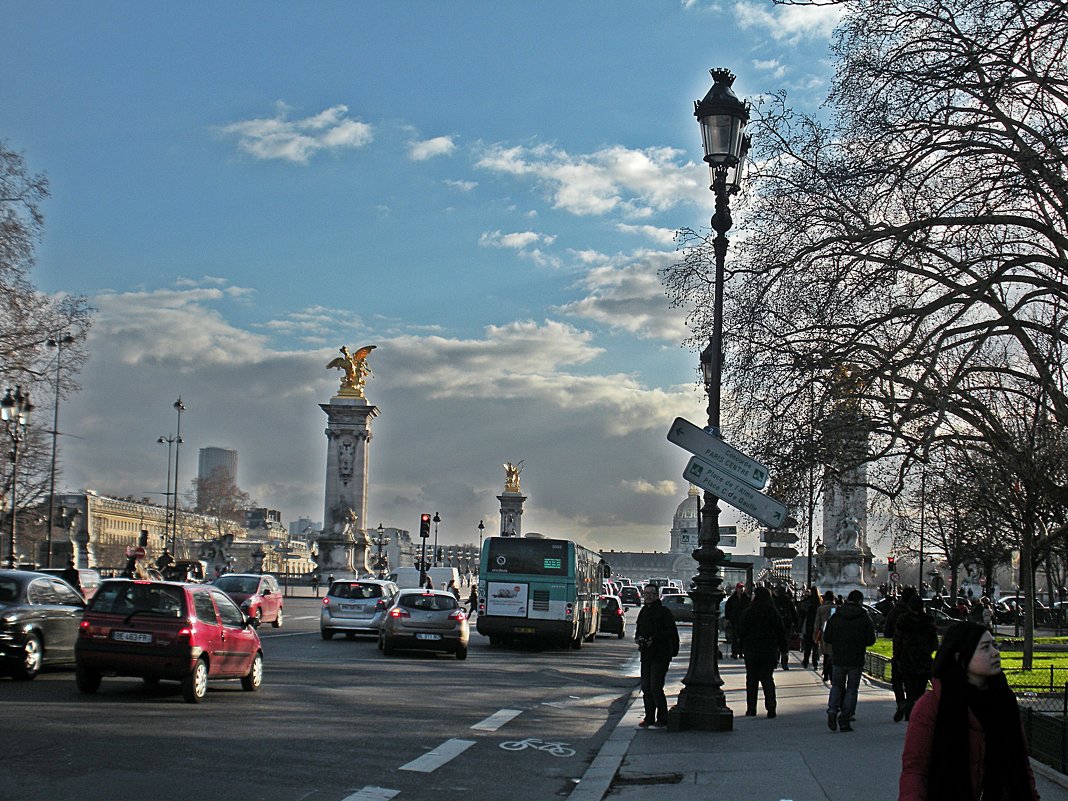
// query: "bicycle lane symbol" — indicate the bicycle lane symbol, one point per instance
point(555, 749)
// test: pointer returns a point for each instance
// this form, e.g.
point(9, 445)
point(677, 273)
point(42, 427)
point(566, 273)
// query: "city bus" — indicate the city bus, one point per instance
point(539, 588)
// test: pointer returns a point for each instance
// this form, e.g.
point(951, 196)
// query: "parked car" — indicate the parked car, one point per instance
point(88, 579)
point(942, 620)
point(39, 617)
point(613, 616)
point(630, 596)
point(680, 605)
point(258, 596)
point(669, 590)
point(878, 619)
point(158, 630)
point(355, 606)
point(1008, 608)
point(425, 620)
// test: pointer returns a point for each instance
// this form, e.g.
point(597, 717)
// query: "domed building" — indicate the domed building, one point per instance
point(684, 525)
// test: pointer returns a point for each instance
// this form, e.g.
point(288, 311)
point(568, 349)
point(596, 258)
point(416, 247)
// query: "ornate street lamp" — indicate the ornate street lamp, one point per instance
point(170, 439)
point(434, 554)
point(702, 704)
point(179, 407)
point(381, 561)
point(54, 342)
point(16, 410)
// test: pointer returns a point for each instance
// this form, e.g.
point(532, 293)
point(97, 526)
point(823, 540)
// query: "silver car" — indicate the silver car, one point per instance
point(426, 620)
point(355, 606)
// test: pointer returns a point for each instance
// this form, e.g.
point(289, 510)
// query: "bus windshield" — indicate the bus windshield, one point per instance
point(531, 557)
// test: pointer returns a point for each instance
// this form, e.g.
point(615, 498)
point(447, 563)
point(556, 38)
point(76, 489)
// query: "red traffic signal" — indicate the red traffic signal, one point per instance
point(424, 525)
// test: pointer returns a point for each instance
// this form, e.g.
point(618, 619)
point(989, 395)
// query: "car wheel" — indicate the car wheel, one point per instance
point(88, 681)
point(32, 656)
point(619, 636)
point(461, 653)
point(328, 634)
point(254, 678)
point(195, 685)
point(277, 622)
point(387, 647)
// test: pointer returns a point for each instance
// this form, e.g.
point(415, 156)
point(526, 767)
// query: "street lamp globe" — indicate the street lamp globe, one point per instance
point(723, 117)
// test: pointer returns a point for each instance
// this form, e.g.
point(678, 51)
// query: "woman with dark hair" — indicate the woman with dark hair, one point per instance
point(763, 637)
point(965, 740)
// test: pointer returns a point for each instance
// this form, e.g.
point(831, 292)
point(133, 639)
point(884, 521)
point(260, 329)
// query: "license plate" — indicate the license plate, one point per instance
point(523, 630)
point(131, 636)
point(428, 636)
point(351, 607)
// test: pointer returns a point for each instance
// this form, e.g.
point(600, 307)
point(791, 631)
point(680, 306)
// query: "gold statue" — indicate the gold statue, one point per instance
point(511, 476)
point(355, 368)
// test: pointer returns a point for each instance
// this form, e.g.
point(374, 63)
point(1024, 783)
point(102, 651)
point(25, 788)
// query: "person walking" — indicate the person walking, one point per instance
point(823, 614)
point(806, 616)
point(897, 682)
point(915, 641)
point(472, 601)
point(849, 632)
point(453, 589)
point(763, 637)
point(658, 643)
point(784, 605)
point(965, 739)
point(315, 583)
point(732, 610)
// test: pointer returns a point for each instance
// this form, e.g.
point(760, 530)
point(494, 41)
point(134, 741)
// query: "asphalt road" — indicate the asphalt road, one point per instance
point(334, 721)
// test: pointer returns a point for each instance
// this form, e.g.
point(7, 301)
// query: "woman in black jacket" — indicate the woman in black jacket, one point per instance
point(763, 639)
point(915, 641)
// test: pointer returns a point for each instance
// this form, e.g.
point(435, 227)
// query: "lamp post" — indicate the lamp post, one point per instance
point(170, 439)
point(702, 704)
point(54, 342)
point(434, 554)
point(179, 407)
point(380, 542)
point(15, 409)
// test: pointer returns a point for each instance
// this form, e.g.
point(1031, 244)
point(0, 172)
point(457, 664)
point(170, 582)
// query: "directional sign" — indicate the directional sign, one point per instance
point(718, 453)
point(775, 552)
point(764, 508)
point(778, 537)
point(728, 541)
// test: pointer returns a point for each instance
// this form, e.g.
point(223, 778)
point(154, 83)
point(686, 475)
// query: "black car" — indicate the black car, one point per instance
point(613, 616)
point(39, 618)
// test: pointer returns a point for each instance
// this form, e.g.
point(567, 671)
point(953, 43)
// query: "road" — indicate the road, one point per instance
point(334, 721)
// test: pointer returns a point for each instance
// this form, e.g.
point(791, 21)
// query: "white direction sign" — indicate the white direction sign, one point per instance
point(729, 489)
point(718, 453)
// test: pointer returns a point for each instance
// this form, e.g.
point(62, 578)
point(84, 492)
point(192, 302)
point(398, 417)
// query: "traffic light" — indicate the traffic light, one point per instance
point(424, 525)
point(890, 566)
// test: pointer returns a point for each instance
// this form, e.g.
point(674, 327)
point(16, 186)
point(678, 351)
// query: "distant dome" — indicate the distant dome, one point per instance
point(684, 533)
point(687, 510)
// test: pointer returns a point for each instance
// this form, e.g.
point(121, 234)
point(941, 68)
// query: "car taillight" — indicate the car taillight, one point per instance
point(457, 615)
point(398, 612)
point(185, 635)
point(83, 628)
point(326, 602)
point(569, 610)
point(619, 612)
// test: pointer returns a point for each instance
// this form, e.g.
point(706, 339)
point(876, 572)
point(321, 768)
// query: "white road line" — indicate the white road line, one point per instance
point(372, 794)
point(496, 720)
point(432, 760)
point(594, 700)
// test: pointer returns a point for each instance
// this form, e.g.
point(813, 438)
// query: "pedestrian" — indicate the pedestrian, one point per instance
point(657, 637)
point(915, 641)
point(784, 605)
point(315, 582)
point(732, 610)
point(453, 589)
point(806, 617)
point(472, 601)
point(849, 632)
point(428, 583)
point(71, 576)
point(897, 682)
point(763, 637)
point(988, 614)
point(329, 582)
point(965, 739)
point(823, 614)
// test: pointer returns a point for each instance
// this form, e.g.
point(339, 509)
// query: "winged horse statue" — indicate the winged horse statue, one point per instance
point(354, 366)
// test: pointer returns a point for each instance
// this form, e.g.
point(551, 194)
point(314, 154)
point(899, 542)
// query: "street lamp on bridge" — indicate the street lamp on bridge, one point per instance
point(16, 410)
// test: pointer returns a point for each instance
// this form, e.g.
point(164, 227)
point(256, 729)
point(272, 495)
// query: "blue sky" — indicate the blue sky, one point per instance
point(485, 190)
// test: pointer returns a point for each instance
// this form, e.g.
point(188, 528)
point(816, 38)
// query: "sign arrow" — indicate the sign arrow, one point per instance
point(730, 490)
point(718, 453)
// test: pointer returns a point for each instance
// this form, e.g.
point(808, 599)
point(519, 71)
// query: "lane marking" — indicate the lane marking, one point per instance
point(432, 760)
point(595, 700)
point(372, 794)
point(497, 719)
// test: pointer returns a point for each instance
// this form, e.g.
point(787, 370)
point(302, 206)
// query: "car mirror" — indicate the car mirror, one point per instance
point(252, 622)
point(267, 591)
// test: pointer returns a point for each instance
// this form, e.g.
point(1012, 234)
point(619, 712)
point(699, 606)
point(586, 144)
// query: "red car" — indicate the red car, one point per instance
point(158, 630)
point(258, 596)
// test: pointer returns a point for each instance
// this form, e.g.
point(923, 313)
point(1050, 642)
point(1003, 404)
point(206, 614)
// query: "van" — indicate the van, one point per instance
point(407, 578)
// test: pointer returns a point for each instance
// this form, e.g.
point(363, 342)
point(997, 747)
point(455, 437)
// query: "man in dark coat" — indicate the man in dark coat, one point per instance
point(806, 617)
point(763, 639)
point(658, 642)
point(889, 626)
point(732, 610)
point(784, 605)
point(849, 632)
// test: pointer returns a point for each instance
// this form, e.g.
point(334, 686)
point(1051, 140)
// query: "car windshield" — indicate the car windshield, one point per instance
point(428, 602)
point(356, 590)
point(142, 598)
point(244, 584)
point(9, 591)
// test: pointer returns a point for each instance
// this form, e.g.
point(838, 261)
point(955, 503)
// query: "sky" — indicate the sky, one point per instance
point(483, 190)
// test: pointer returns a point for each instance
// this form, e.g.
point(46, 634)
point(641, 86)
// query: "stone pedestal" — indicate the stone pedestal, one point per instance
point(344, 544)
point(511, 513)
point(846, 559)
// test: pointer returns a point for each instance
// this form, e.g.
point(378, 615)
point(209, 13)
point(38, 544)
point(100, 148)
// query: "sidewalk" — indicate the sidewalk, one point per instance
point(793, 757)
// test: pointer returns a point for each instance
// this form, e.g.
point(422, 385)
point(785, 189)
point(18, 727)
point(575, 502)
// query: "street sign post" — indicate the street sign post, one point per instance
point(777, 552)
point(712, 450)
point(730, 490)
point(135, 552)
point(778, 537)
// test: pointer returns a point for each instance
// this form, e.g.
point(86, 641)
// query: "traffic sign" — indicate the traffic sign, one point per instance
point(135, 552)
point(718, 453)
point(777, 552)
point(895, 576)
point(778, 537)
point(764, 508)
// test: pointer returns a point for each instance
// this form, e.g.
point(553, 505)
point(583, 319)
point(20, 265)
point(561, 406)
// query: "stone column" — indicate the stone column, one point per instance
point(511, 513)
point(846, 560)
point(344, 544)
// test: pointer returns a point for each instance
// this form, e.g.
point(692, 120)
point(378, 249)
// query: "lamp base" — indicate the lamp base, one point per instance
point(702, 709)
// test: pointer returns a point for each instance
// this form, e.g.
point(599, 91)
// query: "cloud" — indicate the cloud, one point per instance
point(298, 140)
point(788, 23)
point(462, 186)
point(643, 487)
point(662, 236)
point(634, 183)
point(430, 148)
point(774, 67)
point(517, 240)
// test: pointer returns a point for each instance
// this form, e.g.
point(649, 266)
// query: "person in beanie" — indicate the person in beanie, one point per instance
point(915, 639)
point(658, 642)
point(965, 739)
point(763, 637)
point(732, 610)
point(806, 615)
point(823, 614)
point(897, 680)
point(849, 633)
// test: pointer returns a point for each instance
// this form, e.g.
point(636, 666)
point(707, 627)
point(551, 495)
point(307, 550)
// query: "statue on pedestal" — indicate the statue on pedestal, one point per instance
point(511, 476)
point(354, 366)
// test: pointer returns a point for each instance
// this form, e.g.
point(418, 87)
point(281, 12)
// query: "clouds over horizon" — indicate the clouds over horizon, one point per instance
point(269, 138)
